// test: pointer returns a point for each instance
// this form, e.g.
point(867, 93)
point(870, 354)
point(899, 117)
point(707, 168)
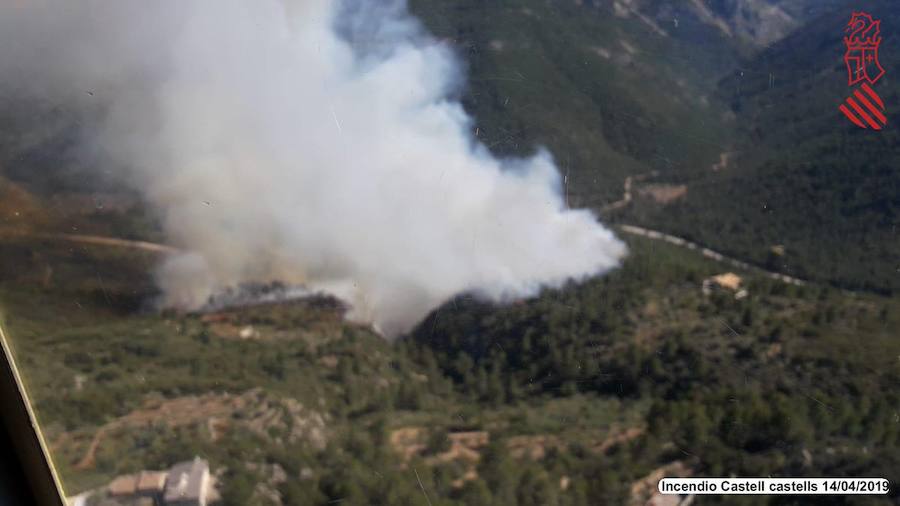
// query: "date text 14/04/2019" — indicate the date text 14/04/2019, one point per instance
point(792, 486)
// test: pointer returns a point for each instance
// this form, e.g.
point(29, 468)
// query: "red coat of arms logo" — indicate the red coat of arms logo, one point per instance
point(864, 108)
point(862, 41)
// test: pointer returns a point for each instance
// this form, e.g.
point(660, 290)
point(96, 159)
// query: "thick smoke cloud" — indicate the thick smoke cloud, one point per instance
point(310, 142)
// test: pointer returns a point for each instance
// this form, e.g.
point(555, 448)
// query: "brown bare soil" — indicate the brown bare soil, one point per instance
point(663, 193)
point(217, 412)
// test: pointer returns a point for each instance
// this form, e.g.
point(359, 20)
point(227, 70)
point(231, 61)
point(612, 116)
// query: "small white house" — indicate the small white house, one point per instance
point(188, 484)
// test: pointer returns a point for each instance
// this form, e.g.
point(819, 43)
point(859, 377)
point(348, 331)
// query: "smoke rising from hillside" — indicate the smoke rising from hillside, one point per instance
point(309, 142)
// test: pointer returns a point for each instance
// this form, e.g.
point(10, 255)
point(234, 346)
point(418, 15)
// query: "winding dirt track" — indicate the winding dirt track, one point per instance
point(684, 243)
point(626, 195)
point(96, 240)
point(708, 253)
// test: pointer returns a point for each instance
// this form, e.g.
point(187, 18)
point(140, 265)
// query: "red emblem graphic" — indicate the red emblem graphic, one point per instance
point(864, 107)
point(862, 49)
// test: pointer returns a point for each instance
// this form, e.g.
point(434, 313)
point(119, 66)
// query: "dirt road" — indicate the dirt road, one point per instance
point(708, 253)
point(684, 243)
point(95, 240)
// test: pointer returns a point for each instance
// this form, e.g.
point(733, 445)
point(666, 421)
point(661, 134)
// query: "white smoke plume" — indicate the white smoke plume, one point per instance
point(309, 141)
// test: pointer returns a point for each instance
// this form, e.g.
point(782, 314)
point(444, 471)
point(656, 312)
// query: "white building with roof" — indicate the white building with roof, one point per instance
point(187, 484)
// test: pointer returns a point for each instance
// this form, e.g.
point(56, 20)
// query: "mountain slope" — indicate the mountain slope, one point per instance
point(804, 177)
point(595, 385)
point(588, 84)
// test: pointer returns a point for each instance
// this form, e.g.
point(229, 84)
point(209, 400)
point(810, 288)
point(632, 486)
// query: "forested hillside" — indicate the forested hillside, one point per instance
point(586, 83)
point(727, 133)
point(570, 398)
point(804, 177)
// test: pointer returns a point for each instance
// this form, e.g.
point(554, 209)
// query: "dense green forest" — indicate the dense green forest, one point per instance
point(586, 84)
point(803, 177)
point(790, 381)
point(799, 175)
point(577, 396)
